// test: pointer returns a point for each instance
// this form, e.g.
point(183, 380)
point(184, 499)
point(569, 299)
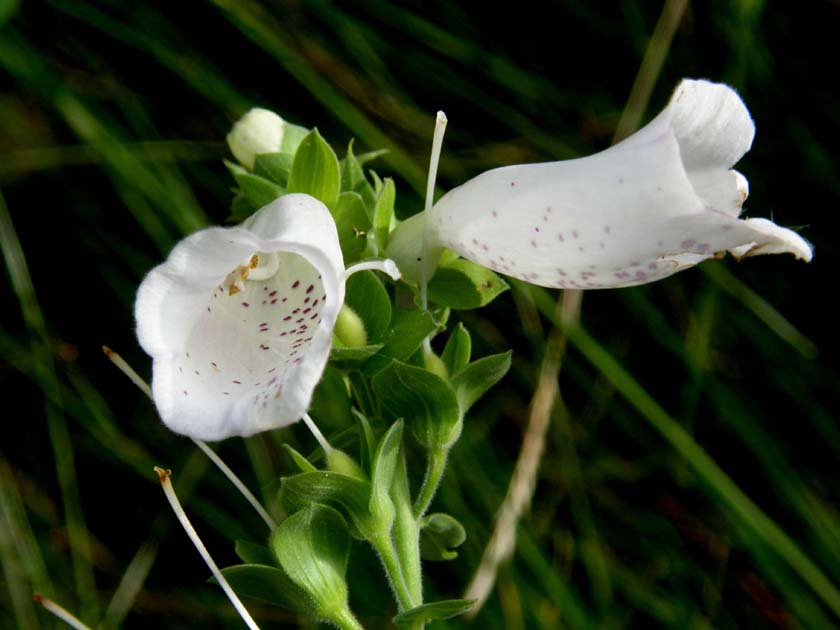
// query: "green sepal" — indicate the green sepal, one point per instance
point(383, 215)
point(424, 400)
point(367, 441)
point(259, 191)
point(293, 135)
point(435, 611)
point(349, 495)
point(312, 548)
point(252, 553)
point(458, 349)
point(275, 167)
point(382, 475)
point(407, 331)
point(473, 381)
point(269, 584)
point(340, 462)
point(439, 536)
point(240, 208)
point(353, 179)
point(300, 461)
point(353, 223)
point(353, 358)
point(315, 170)
point(366, 294)
point(463, 285)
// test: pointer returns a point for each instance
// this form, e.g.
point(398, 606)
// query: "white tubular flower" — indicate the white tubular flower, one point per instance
point(239, 321)
point(662, 200)
point(258, 131)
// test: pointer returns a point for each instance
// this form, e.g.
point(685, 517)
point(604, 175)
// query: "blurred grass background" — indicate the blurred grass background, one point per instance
point(112, 120)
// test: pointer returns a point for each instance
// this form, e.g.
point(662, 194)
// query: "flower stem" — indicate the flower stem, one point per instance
point(385, 548)
point(407, 533)
point(434, 473)
point(345, 620)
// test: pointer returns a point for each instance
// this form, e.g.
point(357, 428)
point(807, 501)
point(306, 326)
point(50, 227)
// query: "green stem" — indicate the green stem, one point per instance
point(385, 548)
point(345, 620)
point(407, 532)
point(434, 473)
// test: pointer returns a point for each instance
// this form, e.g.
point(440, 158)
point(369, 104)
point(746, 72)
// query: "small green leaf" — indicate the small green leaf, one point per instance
point(368, 297)
point(349, 495)
point(300, 461)
point(240, 208)
point(364, 158)
point(435, 611)
point(479, 376)
point(353, 358)
point(456, 354)
point(353, 224)
point(367, 440)
point(408, 330)
point(463, 285)
point(269, 584)
point(252, 553)
point(353, 179)
point(384, 466)
point(424, 400)
point(331, 405)
point(274, 166)
point(383, 213)
point(312, 547)
point(441, 534)
point(315, 170)
point(293, 135)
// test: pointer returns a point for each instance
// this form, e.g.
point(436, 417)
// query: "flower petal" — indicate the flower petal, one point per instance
point(235, 355)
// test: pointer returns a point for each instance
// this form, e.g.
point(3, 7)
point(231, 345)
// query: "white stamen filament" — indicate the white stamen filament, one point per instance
point(386, 266)
point(437, 143)
point(135, 378)
point(267, 266)
point(313, 428)
point(168, 489)
point(59, 612)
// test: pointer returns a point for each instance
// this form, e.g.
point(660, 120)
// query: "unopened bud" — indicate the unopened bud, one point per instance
point(350, 329)
point(259, 131)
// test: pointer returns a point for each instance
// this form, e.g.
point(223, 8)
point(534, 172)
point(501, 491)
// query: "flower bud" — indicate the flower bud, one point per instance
point(259, 131)
point(350, 329)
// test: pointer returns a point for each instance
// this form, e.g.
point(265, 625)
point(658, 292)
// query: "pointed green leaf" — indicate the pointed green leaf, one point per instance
point(312, 547)
point(240, 208)
point(353, 179)
point(435, 611)
point(269, 584)
point(364, 158)
point(348, 495)
point(424, 400)
point(383, 213)
point(252, 553)
point(367, 296)
point(384, 466)
point(463, 285)
point(274, 166)
point(408, 330)
point(300, 461)
point(331, 405)
point(441, 534)
point(353, 223)
point(456, 354)
point(473, 381)
point(293, 135)
point(367, 441)
point(315, 170)
point(353, 358)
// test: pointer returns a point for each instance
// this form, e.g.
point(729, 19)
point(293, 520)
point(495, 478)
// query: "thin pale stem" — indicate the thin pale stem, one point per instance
point(434, 473)
point(386, 266)
point(169, 490)
point(385, 548)
point(437, 143)
point(313, 428)
point(59, 612)
point(135, 378)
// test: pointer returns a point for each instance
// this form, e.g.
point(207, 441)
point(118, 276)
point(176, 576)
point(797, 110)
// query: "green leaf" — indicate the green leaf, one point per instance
point(383, 214)
point(367, 440)
point(353, 358)
point(274, 166)
point(352, 222)
point(462, 285)
point(435, 611)
point(364, 158)
point(240, 208)
point(252, 553)
point(8, 8)
point(349, 495)
point(315, 170)
point(479, 376)
point(408, 330)
point(269, 584)
point(441, 534)
point(424, 400)
point(293, 135)
point(456, 354)
point(300, 461)
point(367, 296)
point(312, 547)
point(331, 405)
point(382, 475)
point(353, 179)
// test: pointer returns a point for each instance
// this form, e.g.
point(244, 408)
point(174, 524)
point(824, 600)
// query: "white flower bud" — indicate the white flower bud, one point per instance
point(259, 131)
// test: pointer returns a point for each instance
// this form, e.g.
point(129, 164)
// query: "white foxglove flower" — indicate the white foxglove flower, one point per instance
point(662, 200)
point(258, 131)
point(239, 321)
